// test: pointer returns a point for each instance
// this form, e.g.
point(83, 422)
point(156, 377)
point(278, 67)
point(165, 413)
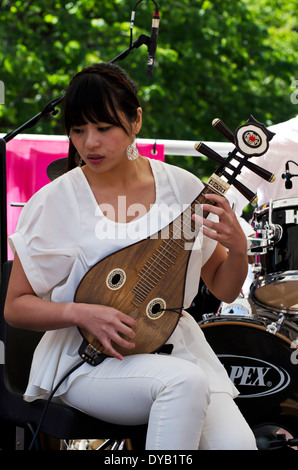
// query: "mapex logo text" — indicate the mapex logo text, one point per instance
point(254, 377)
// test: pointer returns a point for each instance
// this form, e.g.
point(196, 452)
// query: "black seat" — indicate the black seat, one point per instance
point(61, 422)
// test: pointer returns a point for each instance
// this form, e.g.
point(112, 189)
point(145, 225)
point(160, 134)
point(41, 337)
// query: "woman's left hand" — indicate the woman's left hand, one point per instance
point(226, 269)
point(227, 231)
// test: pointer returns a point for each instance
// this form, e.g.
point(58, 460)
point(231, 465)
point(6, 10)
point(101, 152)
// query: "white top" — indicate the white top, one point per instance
point(62, 233)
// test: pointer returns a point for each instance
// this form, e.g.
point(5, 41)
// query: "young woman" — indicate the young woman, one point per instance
point(90, 212)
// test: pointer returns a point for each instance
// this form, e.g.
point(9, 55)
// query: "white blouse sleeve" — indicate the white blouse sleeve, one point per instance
point(46, 237)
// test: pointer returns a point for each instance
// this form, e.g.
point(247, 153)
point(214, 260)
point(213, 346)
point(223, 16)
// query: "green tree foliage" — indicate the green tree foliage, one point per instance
point(215, 58)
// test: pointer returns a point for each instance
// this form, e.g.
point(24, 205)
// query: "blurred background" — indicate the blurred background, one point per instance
point(217, 58)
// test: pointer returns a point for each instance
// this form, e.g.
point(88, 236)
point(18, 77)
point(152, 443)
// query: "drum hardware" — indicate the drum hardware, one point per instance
point(206, 316)
point(242, 307)
point(270, 235)
point(274, 327)
point(259, 246)
point(96, 444)
point(266, 236)
point(275, 286)
point(256, 268)
point(270, 437)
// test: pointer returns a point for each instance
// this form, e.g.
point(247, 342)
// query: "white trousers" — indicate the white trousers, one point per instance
point(169, 393)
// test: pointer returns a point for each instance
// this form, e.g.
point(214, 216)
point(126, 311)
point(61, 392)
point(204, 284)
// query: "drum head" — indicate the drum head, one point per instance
point(278, 292)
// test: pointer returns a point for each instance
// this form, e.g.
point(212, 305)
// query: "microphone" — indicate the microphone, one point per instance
point(153, 43)
point(287, 176)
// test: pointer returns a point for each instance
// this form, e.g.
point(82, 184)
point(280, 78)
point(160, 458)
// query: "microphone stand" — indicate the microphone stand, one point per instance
point(48, 109)
point(142, 39)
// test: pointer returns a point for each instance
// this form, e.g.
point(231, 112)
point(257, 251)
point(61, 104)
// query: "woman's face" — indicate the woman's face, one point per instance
point(102, 146)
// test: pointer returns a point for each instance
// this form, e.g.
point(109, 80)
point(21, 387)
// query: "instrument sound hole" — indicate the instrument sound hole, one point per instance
point(116, 279)
point(156, 308)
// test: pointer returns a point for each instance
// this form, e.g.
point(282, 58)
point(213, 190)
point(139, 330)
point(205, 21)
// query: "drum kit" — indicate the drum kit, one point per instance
point(256, 337)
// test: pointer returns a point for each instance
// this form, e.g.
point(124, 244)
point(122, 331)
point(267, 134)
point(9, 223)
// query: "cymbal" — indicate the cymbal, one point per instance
point(56, 168)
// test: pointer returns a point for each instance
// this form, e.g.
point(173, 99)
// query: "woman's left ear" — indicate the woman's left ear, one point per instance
point(138, 122)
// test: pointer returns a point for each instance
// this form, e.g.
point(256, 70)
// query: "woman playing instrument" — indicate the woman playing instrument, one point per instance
point(110, 199)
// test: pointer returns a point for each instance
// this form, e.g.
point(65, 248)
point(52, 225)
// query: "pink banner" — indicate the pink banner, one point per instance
point(27, 162)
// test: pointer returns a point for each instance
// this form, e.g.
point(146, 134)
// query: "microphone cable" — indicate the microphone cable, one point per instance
point(50, 398)
point(132, 19)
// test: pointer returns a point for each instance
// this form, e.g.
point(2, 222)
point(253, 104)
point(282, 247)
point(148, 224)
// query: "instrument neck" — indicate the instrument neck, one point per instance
point(215, 185)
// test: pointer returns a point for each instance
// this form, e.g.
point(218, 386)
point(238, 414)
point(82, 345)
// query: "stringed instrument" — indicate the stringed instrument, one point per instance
point(146, 280)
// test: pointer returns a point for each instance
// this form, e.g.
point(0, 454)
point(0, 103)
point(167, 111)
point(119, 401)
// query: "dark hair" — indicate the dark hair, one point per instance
point(98, 94)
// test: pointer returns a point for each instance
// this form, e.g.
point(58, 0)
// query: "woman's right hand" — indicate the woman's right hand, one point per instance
point(107, 325)
point(24, 309)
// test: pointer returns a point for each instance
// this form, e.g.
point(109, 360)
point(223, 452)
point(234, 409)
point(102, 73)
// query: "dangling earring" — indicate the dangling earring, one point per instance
point(132, 151)
point(78, 159)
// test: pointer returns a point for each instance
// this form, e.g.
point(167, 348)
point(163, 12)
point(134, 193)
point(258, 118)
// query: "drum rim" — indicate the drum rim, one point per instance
point(236, 322)
point(277, 204)
point(274, 308)
point(274, 277)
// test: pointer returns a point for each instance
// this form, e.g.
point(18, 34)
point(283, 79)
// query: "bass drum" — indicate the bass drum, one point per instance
point(276, 283)
point(264, 368)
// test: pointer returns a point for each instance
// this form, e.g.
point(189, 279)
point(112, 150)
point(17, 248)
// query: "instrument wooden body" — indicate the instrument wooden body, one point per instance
point(146, 281)
point(152, 330)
